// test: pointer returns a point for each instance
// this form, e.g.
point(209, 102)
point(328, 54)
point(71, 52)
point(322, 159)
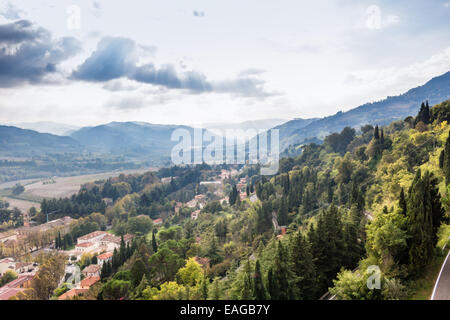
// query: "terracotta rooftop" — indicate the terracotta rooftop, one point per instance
point(84, 244)
point(92, 268)
point(92, 235)
point(105, 256)
point(89, 281)
point(9, 292)
point(72, 293)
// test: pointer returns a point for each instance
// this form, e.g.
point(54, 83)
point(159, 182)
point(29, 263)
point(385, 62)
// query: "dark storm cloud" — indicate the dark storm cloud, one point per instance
point(28, 53)
point(113, 59)
point(117, 58)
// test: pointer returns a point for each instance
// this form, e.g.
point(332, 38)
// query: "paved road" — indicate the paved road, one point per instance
point(441, 289)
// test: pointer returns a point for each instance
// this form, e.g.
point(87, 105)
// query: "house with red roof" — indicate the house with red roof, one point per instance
point(104, 257)
point(72, 293)
point(88, 282)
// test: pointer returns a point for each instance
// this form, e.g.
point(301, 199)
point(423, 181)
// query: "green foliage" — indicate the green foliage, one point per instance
point(139, 225)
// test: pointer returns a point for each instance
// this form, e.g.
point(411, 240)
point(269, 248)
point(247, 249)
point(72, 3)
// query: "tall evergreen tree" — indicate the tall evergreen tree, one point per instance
point(446, 160)
point(402, 202)
point(259, 292)
point(154, 244)
point(425, 213)
point(302, 266)
point(376, 133)
point(283, 212)
point(328, 247)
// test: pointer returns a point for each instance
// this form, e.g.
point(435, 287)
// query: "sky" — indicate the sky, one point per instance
point(88, 62)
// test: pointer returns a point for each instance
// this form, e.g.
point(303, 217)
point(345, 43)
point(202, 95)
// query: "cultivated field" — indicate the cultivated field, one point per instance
point(36, 190)
point(22, 205)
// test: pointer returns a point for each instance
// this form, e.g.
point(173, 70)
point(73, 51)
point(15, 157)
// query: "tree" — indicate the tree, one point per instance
point(7, 277)
point(425, 213)
point(234, 194)
point(353, 286)
point(259, 292)
point(18, 189)
point(327, 247)
point(423, 115)
point(163, 265)
point(213, 251)
point(168, 291)
point(191, 274)
point(302, 266)
point(138, 271)
point(116, 289)
point(48, 277)
point(402, 202)
point(281, 276)
point(139, 225)
point(446, 160)
point(154, 244)
point(283, 212)
point(138, 292)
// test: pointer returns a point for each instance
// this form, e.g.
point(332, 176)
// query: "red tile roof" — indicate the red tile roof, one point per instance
point(72, 293)
point(89, 282)
point(84, 244)
point(105, 256)
point(93, 268)
point(9, 292)
point(92, 235)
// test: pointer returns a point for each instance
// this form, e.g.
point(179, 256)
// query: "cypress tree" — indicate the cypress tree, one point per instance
point(425, 213)
point(259, 292)
point(446, 160)
point(402, 202)
point(441, 159)
point(247, 289)
point(272, 286)
point(154, 244)
point(376, 133)
point(302, 266)
point(282, 274)
point(283, 212)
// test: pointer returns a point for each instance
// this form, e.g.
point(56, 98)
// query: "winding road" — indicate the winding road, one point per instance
point(441, 289)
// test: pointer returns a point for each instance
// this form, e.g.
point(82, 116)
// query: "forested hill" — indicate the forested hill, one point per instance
point(380, 198)
point(24, 143)
point(381, 112)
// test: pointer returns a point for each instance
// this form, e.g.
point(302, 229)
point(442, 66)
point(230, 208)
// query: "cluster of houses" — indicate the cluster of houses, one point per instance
point(25, 272)
point(94, 243)
point(10, 238)
point(98, 243)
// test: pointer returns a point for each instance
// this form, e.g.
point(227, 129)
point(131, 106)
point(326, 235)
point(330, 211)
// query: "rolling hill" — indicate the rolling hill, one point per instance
point(129, 139)
point(17, 142)
point(381, 112)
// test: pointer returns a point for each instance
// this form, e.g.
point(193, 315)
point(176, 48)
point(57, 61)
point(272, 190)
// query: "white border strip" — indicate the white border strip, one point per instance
point(437, 281)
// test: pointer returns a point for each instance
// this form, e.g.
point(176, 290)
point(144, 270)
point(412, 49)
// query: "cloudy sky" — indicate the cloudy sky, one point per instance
point(87, 62)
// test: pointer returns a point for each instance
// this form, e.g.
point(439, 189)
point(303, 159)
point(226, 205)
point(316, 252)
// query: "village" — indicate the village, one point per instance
point(97, 247)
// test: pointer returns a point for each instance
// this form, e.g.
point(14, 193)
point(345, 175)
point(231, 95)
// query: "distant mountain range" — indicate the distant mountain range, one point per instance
point(56, 128)
point(16, 142)
point(381, 112)
point(153, 141)
point(130, 139)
